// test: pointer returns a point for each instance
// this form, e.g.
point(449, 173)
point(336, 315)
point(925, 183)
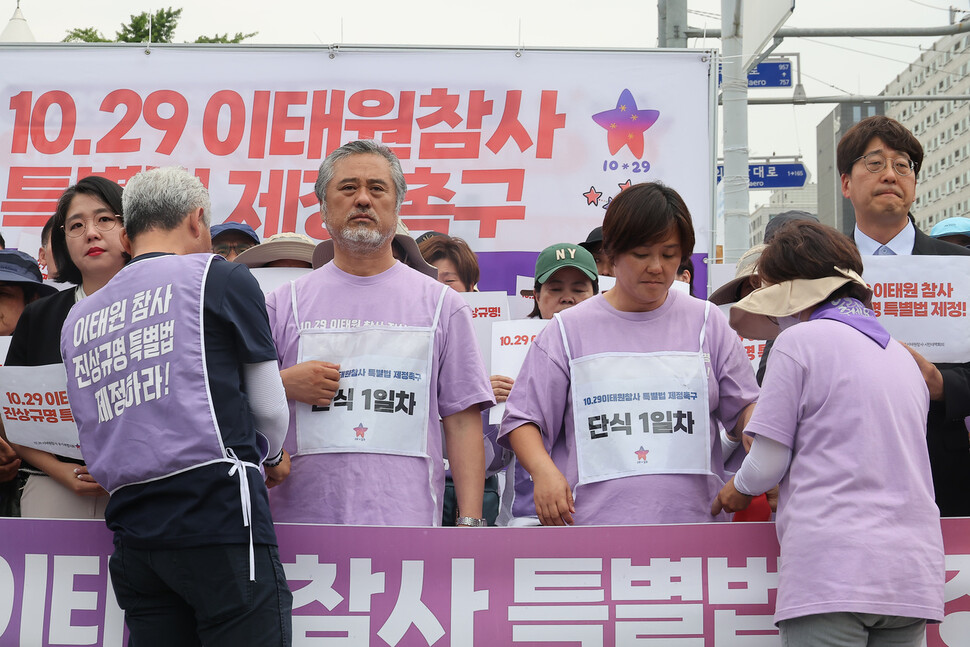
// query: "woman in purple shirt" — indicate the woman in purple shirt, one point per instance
point(841, 423)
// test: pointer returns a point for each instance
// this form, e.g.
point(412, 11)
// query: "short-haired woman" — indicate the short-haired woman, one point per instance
point(630, 383)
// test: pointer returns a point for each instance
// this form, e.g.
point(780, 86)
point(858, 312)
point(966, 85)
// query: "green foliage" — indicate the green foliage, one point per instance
point(225, 38)
point(163, 24)
point(85, 35)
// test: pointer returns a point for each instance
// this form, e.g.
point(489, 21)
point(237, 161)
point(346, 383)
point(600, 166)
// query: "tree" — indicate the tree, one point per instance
point(163, 23)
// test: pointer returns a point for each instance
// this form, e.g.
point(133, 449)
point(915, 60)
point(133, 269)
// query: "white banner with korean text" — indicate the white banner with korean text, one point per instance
point(922, 301)
point(510, 150)
point(35, 409)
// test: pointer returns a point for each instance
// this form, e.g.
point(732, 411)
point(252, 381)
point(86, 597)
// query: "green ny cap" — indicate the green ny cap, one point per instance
point(556, 257)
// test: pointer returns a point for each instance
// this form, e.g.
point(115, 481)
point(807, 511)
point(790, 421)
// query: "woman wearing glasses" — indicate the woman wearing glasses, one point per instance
point(86, 243)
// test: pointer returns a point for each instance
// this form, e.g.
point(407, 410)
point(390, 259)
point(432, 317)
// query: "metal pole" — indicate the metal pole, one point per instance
point(838, 32)
point(734, 95)
point(672, 23)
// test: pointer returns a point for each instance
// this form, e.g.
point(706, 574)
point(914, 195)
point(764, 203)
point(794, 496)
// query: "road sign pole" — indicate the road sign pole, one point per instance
point(734, 94)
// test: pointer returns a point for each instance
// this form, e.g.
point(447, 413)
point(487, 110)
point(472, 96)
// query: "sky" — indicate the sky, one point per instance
point(830, 66)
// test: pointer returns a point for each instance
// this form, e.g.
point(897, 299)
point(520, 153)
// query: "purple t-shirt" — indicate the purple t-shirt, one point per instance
point(377, 489)
point(541, 395)
point(858, 528)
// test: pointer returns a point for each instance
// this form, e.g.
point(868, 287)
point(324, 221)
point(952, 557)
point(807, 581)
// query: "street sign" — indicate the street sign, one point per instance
point(788, 175)
point(769, 74)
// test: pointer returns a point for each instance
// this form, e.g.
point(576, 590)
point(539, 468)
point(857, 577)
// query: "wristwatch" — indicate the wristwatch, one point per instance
point(471, 521)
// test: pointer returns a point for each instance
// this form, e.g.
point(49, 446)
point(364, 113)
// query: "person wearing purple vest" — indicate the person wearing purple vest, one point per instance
point(841, 424)
point(174, 386)
point(373, 354)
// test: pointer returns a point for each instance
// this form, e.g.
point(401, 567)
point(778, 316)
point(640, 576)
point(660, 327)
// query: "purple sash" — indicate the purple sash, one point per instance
point(853, 313)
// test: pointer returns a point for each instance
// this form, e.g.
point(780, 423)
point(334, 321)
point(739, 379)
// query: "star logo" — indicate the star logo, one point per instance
point(360, 431)
point(625, 124)
point(592, 196)
point(625, 185)
point(641, 454)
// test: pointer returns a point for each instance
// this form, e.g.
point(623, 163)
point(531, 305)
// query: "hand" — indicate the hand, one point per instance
point(729, 499)
point(931, 374)
point(9, 462)
point(312, 382)
point(501, 386)
point(278, 473)
point(553, 498)
point(77, 479)
point(772, 496)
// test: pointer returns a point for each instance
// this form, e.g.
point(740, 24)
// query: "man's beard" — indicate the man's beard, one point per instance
point(358, 239)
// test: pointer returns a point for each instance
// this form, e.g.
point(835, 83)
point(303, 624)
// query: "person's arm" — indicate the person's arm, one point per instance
point(9, 461)
point(312, 382)
point(71, 475)
point(553, 497)
point(466, 453)
point(271, 415)
point(762, 469)
point(931, 374)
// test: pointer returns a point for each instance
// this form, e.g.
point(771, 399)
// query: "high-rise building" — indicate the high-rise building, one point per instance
point(943, 127)
point(781, 200)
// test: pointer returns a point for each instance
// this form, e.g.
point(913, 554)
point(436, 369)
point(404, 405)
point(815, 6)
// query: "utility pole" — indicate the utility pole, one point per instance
point(734, 95)
point(672, 22)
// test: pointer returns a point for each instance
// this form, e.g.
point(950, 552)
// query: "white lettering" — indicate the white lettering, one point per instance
point(65, 599)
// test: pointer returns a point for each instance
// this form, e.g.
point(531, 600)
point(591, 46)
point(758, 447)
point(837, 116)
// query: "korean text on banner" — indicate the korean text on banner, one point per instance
point(922, 301)
point(510, 341)
point(35, 409)
point(512, 151)
point(487, 308)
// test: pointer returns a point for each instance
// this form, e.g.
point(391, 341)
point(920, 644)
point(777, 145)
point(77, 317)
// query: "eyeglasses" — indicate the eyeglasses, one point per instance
point(224, 249)
point(104, 223)
point(876, 162)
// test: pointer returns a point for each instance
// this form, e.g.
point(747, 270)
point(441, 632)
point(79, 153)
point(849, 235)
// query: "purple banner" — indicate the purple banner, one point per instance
point(706, 584)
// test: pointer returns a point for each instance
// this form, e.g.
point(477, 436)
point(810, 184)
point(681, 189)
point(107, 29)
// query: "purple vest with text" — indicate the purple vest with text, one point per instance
point(136, 374)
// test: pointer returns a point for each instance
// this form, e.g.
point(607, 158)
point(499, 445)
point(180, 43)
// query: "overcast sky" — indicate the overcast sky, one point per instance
point(830, 66)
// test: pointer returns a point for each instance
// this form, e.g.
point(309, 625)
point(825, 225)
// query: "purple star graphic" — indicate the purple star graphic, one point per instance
point(642, 454)
point(625, 124)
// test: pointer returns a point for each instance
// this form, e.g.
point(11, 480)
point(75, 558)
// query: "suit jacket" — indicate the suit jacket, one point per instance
point(946, 433)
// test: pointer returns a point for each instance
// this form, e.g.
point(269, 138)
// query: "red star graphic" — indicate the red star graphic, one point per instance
point(360, 429)
point(641, 454)
point(592, 196)
point(625, 185)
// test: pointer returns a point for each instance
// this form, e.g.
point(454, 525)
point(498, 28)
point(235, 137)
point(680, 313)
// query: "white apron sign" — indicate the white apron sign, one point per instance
point(922, 302)
point(35, 409)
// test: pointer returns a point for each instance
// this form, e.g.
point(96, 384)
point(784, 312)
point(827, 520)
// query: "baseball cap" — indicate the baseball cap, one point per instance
point(19, 267)
point(428, 235)
point(215, 230)
point(951, 227)
point(556, 257)
point(278, 247)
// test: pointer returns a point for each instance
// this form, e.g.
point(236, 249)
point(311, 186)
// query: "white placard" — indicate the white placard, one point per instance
point(487, 308)
point(922, 301)
point(753, 348)
point(721, 273)
point(510, 341)
point(4, 347)
point(33, 400)
point(606, 282)
point(270, 278)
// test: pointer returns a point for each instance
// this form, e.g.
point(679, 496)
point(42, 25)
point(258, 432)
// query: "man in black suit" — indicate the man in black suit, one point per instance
point(878, 160)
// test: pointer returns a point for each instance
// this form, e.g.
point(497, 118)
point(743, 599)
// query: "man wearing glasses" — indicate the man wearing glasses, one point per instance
point(230, 239)
point(878, 160)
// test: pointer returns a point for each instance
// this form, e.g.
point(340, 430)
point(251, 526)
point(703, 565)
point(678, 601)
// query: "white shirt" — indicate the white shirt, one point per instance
point(901, 244)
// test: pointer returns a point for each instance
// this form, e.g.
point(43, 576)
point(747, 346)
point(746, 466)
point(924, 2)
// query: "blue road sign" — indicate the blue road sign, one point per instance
point(769, 74)
point(789, 175)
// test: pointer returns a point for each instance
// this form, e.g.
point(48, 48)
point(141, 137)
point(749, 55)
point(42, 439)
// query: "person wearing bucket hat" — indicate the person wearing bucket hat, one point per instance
point(87, 249)
point(375, 357)
point(286, 249)
point(594, 245)
point(20, 283)
point(841, 424)
point(619, 399)
point(879, 162)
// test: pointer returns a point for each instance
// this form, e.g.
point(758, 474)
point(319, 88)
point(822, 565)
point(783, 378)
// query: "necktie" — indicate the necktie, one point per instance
point(882, 250)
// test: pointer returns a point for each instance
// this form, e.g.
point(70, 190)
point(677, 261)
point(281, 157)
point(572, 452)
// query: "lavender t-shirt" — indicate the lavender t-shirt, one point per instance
point(541, 395)
point(377, 489)
point(858, 528)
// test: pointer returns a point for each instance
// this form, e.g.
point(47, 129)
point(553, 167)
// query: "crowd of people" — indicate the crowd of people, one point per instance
point(357, 394)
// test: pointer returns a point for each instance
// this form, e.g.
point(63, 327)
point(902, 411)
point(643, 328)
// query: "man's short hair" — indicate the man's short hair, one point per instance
point(45, 233)
point(161, 198)
point(853, 144)
point(361, 147)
